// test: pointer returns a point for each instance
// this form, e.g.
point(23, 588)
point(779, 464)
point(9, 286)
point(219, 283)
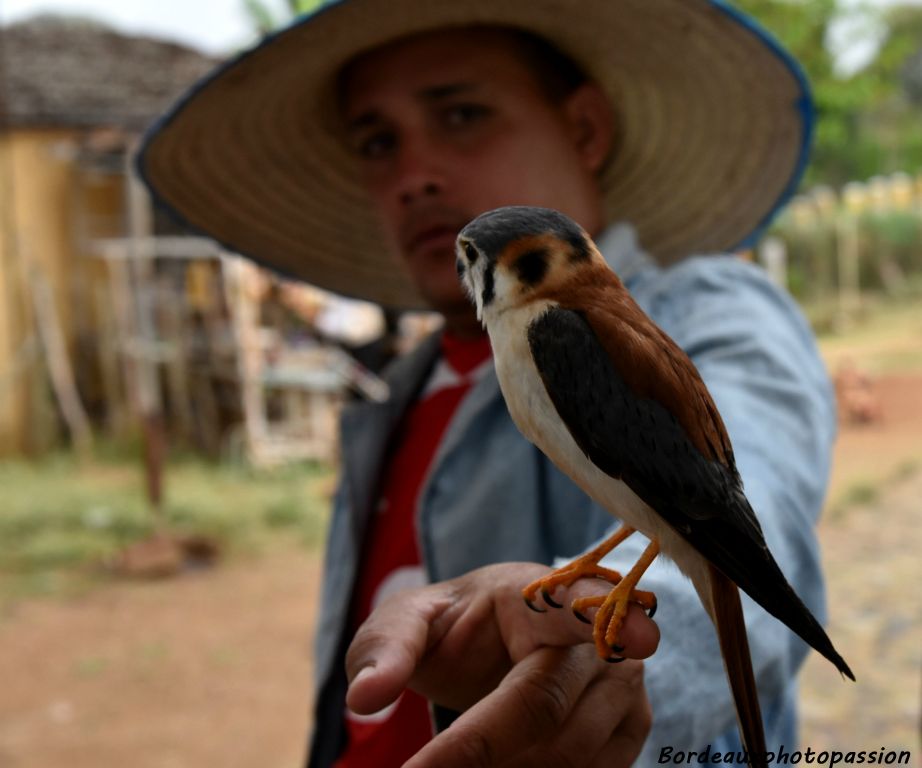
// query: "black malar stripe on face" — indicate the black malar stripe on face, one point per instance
point(489, 285)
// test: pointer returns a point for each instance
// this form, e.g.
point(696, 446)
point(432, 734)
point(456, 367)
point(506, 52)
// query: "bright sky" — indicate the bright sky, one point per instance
point(216, 26)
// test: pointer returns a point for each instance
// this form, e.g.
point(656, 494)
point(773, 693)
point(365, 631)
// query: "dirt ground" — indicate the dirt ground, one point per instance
point(213, 668)
point(872, 554)
point(209, 669)
point(870, 453)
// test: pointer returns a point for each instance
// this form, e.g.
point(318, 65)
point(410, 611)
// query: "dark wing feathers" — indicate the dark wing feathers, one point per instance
point(674, 380)
point(632, 438)
point(641, 442)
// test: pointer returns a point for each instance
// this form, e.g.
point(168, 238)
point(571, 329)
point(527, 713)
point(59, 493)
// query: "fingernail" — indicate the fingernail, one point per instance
point(362, 673)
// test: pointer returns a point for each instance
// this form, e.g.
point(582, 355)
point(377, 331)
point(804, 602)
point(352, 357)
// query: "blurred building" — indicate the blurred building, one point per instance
point(112, 318)
point(74, 98)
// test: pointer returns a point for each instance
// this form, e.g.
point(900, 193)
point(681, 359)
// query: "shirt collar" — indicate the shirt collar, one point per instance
point(618, 244)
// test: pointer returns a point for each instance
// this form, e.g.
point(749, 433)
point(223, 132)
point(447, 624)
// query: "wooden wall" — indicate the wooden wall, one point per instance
point(43, 206)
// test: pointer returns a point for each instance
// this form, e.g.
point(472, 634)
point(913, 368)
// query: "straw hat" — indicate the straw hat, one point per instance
point(714, 122)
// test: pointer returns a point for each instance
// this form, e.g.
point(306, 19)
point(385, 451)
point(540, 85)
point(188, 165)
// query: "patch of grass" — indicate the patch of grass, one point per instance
point(284, 514)
point(60, 520)
point(865, 492)
point(885, 336)
point(224, 657)
point(91, 666)
point(861, 493)
point(907, 470)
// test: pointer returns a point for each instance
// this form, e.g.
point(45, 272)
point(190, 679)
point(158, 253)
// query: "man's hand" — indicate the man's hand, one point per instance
point(532, 688)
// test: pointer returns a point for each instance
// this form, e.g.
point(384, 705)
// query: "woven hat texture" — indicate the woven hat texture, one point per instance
point(713, 129)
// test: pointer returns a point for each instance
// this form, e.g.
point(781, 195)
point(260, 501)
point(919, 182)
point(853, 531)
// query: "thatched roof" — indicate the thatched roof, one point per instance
point(58, 72)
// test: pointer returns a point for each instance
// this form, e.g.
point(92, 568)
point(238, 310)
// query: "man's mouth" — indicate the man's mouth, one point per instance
point(435, 231)
point(438, 237)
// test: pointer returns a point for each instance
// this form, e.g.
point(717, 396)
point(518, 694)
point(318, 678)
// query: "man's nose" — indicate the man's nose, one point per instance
point(419, 173)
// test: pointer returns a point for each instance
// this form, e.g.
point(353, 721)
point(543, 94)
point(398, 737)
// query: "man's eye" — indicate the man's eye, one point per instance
point(375, 145)
point(459, 115)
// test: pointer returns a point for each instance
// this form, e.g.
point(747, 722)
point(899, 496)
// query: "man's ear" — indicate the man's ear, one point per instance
point(591, 123)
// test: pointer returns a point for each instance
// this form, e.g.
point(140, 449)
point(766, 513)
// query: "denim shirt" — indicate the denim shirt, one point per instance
point(490, 496)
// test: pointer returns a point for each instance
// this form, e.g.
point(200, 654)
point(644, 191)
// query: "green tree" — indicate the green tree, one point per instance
point(266, 19)
point(867, 121)
point(803, 27)
point(897, 68)
point(893, 113)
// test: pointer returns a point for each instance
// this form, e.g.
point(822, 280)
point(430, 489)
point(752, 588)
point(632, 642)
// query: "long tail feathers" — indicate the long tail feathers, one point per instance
point(784, 604)
point(734, 646)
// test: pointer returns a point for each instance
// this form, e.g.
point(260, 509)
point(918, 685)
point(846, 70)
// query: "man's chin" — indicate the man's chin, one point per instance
point(445, 298)
point(449, 302)
point(437, 281)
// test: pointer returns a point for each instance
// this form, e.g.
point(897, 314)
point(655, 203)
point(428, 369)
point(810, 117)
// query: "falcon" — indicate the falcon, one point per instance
point(621, 409)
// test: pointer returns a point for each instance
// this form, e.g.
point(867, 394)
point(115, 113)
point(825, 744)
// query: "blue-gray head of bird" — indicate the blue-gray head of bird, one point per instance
point(509, 255)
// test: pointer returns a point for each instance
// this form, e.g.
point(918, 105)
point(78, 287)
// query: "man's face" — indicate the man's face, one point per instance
point(452, 124)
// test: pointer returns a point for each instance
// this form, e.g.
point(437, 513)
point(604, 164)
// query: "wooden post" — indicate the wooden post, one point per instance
point(773, 255)
point(60, 372)
point(121, 295)
point(108, 344)
point(249, 355)
point(172, 316)
point(847, 251)
point(140, 263)
point(203, 290)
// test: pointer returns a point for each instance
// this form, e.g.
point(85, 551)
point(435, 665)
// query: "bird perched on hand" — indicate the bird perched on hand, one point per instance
point(621, 409)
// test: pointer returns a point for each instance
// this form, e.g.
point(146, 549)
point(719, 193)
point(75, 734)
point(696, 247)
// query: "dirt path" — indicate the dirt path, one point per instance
point(211, 669)
point(871, 453)
point(872, 554)
point(873, 562)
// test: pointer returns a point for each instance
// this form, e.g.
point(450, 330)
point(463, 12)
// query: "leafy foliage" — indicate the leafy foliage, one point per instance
point(266, 20)
point(898, 66)
point(867, 122)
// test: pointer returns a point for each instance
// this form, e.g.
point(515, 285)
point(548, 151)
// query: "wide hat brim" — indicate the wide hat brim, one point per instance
point(713, 129)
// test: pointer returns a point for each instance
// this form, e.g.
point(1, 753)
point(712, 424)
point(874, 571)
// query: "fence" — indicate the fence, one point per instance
point(833, 249)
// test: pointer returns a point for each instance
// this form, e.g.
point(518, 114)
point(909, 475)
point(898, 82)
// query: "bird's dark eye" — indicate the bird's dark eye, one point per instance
point(471, 252)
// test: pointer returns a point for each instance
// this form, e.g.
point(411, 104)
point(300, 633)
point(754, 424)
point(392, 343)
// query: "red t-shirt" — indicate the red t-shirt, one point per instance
point(392, 559)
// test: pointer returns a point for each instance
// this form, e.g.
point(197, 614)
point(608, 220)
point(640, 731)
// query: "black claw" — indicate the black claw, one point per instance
point(582, 618)
point(534, 607)
point(547, 599)
point(652, 610)
point(617, 648)
point(615, 659)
